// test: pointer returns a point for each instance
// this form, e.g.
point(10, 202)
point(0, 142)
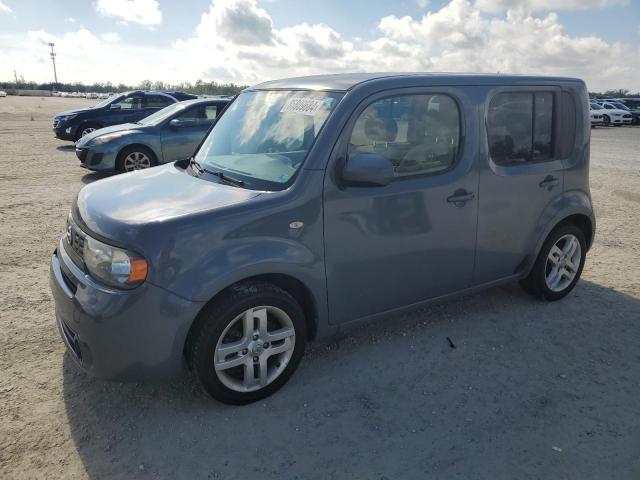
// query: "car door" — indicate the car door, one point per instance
point(125, 110)
point(184, 132)
point(391, 246)
point(522, 172)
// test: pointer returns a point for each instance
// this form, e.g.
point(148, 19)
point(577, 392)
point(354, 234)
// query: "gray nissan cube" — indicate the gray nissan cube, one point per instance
point(318, 203)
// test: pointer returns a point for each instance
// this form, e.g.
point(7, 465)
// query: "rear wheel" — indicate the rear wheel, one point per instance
point(247, 344)
point(559, 264)
point(135, 158)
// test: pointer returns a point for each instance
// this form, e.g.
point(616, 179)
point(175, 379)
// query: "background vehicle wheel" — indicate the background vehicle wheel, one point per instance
point(606, 120)
point(135, 158)
point(245, 345)
point(86, 130)
point(559, 264)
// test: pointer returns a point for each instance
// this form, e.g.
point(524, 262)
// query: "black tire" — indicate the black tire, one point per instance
point(535, 283)
point(153, 161)
point(214, 320)
point(83, 128)
point(606, 121)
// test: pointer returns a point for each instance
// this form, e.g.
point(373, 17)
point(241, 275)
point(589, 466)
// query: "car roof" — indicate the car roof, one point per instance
point(347, 81)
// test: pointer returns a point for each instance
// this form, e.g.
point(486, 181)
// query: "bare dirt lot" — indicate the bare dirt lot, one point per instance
point(530, 391)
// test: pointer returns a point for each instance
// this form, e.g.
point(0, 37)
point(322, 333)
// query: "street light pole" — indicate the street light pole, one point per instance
point(53, 59)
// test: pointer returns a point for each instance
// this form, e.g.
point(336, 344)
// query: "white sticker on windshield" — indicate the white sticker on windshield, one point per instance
point(303, 105)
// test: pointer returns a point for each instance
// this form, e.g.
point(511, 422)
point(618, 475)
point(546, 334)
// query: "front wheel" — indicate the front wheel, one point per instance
point(86, 130)
point(135, 158)
point(246, 345)
point(559, 264)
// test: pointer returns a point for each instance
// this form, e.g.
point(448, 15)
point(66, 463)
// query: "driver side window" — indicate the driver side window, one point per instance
point(420, 134)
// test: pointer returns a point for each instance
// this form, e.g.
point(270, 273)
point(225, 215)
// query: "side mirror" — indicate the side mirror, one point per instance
point(175, 123)
point(368, 170)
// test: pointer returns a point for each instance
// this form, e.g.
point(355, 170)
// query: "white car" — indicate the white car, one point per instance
point(3, 93)
point(613, 115)
point(595, 114)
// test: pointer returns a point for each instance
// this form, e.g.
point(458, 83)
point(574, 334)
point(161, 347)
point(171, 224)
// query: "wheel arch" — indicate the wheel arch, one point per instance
point(289, 283)
point(137, 144)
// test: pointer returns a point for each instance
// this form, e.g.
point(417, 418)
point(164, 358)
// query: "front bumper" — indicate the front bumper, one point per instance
point(125, 335)
point(101, 160)
point(64, 131)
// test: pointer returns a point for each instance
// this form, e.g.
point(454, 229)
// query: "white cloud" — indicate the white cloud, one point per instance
point(236, 41)
point(144, 12)
point(70, 20)
point(110, 37)
point(423, 3)
point(4, 8)
point(545, 5)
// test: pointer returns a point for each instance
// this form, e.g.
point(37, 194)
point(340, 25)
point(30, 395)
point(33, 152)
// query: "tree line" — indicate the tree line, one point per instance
point(200, 87)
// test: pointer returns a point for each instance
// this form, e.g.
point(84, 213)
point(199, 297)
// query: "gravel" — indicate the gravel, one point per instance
point(495, 385)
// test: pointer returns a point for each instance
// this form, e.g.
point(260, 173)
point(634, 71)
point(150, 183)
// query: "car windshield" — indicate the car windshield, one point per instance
point(595, 106)
point(161, 115)
point(264, 136)
point(107, 101)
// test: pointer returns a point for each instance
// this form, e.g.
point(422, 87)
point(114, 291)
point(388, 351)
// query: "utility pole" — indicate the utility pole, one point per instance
point(16, 77)
point(53, 59)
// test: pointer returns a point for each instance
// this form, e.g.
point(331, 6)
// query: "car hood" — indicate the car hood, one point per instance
point(125, 207)
point(132, 127)
point(71, 112)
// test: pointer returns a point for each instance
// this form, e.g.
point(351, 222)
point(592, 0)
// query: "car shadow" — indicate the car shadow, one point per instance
point(483, 386)
point(66, 148)
point(93, 176)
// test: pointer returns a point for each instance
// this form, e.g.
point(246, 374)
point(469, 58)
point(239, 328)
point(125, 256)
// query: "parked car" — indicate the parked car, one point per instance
point(595, 114)
point(3, 93)
point(614, 115)
point(313, 205)
point(631, 107)
point(119, 108)
point(170, 134)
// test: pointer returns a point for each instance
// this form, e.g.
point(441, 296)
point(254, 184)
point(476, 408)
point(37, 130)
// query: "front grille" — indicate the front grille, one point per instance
point(74, 243)
point(56, 122)
point(628, 115)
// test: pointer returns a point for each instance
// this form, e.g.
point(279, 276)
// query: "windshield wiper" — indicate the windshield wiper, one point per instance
point(225, 178)
point(195, 166)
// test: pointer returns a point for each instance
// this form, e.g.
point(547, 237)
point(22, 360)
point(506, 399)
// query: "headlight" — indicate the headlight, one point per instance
point(114, 266)
point(105, 138)
point(66, 118)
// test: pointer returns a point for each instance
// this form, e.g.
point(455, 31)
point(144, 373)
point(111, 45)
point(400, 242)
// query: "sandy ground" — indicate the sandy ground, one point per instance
point(530, 391)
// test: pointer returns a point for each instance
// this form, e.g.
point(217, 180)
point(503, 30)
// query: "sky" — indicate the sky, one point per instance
point(250, 41)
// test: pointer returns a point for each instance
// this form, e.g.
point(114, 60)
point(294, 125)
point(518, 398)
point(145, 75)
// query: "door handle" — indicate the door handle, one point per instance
point(460, 198)
point(549, 182)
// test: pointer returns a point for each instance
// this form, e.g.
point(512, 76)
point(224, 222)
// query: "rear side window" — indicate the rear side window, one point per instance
point(129, 103)
point(157, 101)
point(420, 134)
point(568, 138)
point(520, 127)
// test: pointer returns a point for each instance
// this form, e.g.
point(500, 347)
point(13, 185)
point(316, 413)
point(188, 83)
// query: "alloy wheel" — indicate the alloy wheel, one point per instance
point(254, 349)
point(136, 161)
point(87, 131)
point(563, 263)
